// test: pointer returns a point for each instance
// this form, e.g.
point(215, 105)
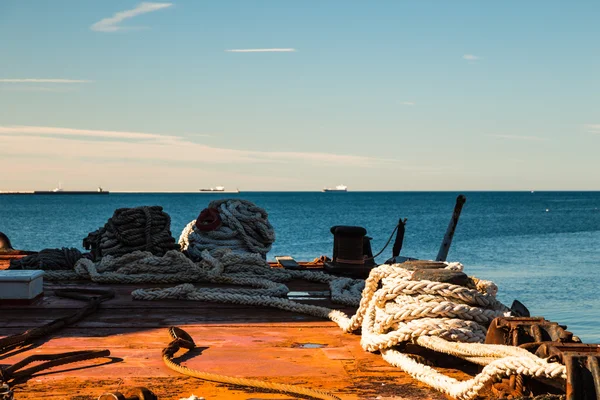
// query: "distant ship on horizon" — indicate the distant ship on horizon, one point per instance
point(338, 188)
point(218, 189)
point(59, 190)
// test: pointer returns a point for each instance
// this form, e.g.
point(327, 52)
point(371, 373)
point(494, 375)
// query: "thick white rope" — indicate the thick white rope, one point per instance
point(227, 268)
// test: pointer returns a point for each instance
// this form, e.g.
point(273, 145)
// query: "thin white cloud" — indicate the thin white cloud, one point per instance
point(288, 50)
point(408, 103)
point(112, 24)
point(517, 137)
point(42, 80)
point(35, 88)
point(48, 130)
point(592, 128)
point(471, 57)
point(49, 141)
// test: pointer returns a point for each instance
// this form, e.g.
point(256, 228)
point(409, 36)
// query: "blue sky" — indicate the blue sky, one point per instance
point(382, 95)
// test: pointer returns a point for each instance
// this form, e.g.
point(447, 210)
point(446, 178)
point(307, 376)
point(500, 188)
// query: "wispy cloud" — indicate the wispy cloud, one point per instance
point(35, 88)
point(48, 130)
point(471, 57)
point(51, 141)
point(288, 50)
point(517, 137)
point(408, 103)
point(112, 24)
point(592, 128)
point(43, 80)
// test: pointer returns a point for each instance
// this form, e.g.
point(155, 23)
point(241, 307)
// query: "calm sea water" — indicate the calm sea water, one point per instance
point(542, 248)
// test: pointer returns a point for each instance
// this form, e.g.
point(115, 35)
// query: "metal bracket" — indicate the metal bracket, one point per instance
point(548, 340)
point(516, 331)
point(583, 372)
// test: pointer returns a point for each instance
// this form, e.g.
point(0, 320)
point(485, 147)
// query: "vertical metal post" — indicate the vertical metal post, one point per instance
point(399, 238)
point(594, 368)
point(574, 383)
point(445, 247)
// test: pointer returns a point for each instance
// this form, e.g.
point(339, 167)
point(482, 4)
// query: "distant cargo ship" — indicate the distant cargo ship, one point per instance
point(60, 190)
point(338, 188)
point(218, 189)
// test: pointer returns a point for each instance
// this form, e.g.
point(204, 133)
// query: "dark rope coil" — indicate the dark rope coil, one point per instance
point(130, 229)
point(49, 259)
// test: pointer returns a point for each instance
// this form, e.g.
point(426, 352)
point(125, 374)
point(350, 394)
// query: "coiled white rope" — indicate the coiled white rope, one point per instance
point(244, 229)
point(225, 267)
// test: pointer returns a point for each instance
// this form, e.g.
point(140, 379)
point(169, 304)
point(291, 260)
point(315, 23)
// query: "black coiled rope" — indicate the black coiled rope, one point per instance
point(49, 259)
point(131, 229)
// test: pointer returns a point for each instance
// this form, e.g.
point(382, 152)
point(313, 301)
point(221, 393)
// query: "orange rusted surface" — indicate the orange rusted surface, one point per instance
point(7, 256)
point(242, 341)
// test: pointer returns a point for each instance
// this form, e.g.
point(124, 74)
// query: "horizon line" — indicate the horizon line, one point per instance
point(312, 191)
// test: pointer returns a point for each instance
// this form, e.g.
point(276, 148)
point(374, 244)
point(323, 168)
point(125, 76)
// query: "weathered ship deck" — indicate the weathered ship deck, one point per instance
point(242, 341)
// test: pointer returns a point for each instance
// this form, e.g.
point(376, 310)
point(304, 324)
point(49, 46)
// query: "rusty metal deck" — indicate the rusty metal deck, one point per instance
point(242, 341)
point(253, 342)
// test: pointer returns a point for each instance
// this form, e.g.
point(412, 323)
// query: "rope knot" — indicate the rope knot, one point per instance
point(181, 339)
point(184, 339)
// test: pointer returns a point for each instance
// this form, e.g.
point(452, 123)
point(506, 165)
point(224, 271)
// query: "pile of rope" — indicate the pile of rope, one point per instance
point(235, 224)
point(228, 267)
point(49, 260)
point(222, 267)
point(132, 229)
point(443, 317)
point(136, 267)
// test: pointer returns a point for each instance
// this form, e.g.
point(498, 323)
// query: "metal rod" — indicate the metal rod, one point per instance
point(399, 238)
point(445, 247)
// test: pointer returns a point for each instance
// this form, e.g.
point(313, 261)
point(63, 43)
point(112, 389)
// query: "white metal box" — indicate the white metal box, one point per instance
point(21, 285)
